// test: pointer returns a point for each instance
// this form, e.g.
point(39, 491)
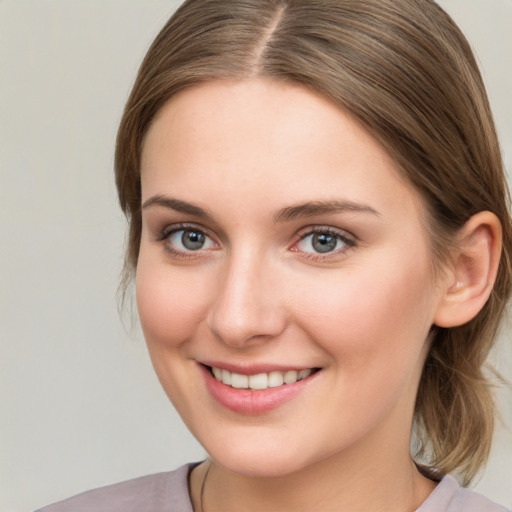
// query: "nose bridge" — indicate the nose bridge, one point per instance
point(246, 307)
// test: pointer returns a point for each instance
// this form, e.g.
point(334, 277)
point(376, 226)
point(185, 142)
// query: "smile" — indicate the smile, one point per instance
point(259, 381)
point(258, 390)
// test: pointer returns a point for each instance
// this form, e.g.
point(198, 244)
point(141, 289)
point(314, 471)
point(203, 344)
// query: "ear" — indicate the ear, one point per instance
point(475, 265)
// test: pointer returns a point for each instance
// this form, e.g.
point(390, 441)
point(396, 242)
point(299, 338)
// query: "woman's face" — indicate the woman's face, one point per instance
point(279, 243)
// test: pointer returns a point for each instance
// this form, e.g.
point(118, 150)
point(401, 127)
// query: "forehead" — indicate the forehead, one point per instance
point(273, 141)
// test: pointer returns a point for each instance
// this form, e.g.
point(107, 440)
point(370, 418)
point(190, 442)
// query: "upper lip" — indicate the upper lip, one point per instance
point(254, 368)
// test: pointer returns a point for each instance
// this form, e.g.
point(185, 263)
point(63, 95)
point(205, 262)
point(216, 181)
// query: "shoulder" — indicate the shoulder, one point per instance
point(161, 492)
point(448, 496)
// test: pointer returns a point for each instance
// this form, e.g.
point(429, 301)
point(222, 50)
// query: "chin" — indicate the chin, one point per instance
point(261, 456)
point(259, 465)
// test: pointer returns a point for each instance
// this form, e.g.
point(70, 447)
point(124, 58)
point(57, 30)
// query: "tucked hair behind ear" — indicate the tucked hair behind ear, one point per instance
point(404, 70)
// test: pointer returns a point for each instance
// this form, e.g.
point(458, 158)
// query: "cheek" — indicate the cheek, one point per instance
point(170, 304)
point(374, 329)
point(373, 322)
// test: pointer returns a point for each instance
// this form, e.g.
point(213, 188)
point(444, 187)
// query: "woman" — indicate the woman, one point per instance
point(320, 239)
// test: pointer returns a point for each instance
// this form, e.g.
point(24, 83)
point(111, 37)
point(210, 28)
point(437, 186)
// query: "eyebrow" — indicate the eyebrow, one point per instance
point(177, 205)
point(313, 208)
point(307, 209)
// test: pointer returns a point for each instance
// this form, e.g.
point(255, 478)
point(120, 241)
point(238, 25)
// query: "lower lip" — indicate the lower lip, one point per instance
point(247, 401)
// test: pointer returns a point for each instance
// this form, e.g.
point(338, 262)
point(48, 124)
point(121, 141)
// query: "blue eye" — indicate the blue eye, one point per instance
point(322, 242)
point(185, 240)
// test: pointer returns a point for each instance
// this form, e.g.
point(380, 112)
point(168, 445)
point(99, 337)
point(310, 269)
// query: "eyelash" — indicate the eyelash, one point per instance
point(164, 238)
point(349, 241)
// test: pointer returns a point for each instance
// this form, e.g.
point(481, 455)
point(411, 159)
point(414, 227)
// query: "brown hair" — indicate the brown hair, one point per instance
point(404, 70)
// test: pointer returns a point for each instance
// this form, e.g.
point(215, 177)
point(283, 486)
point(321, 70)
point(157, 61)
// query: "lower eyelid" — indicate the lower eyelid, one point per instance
point(348, 243)
point(176, 252)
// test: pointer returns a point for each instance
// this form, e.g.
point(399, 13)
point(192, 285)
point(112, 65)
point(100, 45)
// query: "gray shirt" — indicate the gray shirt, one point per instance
point(168, 492)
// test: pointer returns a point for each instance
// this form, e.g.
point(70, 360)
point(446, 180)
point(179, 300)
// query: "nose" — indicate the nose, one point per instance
point(247, 308)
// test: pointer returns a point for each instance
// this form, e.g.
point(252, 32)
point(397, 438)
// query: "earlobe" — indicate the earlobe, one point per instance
point(475, 266)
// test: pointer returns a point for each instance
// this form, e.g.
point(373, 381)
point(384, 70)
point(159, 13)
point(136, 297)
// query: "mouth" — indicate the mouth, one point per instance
point(256, 390)
point(260, 381)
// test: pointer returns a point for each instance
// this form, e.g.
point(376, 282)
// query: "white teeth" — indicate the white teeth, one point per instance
point(226, 377)
point(239, 381)
point(260, 380)
point(275, 379)
point(290, 377)
point(304, 373)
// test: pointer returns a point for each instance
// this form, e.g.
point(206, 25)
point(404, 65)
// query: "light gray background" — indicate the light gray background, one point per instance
point(80, 406)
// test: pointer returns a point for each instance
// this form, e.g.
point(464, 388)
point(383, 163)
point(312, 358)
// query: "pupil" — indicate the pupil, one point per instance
point(192, 240)
point(324, 243)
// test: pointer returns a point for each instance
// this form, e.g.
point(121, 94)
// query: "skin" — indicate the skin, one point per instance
point(259, 293)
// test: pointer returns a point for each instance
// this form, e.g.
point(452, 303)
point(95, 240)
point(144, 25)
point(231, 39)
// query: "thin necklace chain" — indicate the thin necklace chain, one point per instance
point(201, 495)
